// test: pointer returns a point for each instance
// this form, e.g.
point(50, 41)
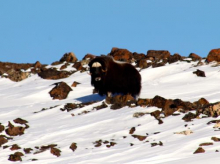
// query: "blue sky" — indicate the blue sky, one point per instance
point(43, 30)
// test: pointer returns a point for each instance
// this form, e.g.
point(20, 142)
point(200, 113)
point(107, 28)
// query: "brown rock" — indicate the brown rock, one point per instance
point(75, 84)
point(89, 56)
point(73, 146)
point(60, 91)
point(174, 58)
point(120, 101)
point(53, 74)
point(3, 140)
point(194, 57)
point(16, 156)
point(15, 147)
point(70, 106)
point(132, 130)
point(138, 56)
point(214, 55)
point(143, 102)
point(142, 63)
point(79, 66)
point(139, 137)
point(189, 116)
point(156, 114)
point(69, 57)
point(121, 54)
point(158, 102)
point(14, 131)
point(206, 144)
point(20, 121)
point(17, 75)
point(199, 150)
point(158, 55)
point(64, 66)
point(212, 110)
point(2, 128)
point(27, 150)
point(37, 65)
point(169, 108)
point(55, 151)
point(201, 103)
point(102, 106)
point(215, 139)
point(199, 73)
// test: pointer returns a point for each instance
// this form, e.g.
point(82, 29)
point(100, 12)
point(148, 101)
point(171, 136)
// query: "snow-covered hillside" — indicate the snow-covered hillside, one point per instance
point(104, 136)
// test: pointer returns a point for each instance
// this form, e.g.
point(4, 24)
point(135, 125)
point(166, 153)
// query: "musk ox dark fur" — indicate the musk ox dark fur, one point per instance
point(110, 77)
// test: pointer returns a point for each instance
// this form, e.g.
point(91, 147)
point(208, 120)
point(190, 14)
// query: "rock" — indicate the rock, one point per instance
point(138, 56)
point(139, 114)
point(120, 101)
point(60, 91)
point(142, 63)
point(20, 121)
point(70, 106)
point(156, 114)
point(15, 147)
point(17, 75)
point(75, 84)
point(215, 139)
point(111, 144)
point(199, 150)
point(102, 106)
point(199, 73)
point(16, 156)
point(27, 150)
point(132, 130)
point(194, 57)
point(139, 137)
point(53, 74)
point(202, 102)
point(3, 140)
point(69, 57)
point(169, 108)
point(189, 116)
point(37, 65)
point(2, 128)
point(155, 144)
point(212, 110)
point(64, 66)
point(79, 66)
point(89, 57)
point(174, 58)
point(14, 131)
point(143, 102)
point(73, 146)
point(55, 151)
point(158, 101)
point(214, 55)
point(158, 55)
point(185, 132)
point(206, 144)
point(121, 54)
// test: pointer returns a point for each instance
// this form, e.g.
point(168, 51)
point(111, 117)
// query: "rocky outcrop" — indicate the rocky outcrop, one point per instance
point(54, 74)
point(121, 54)
point(214, 55)
point(69, 57)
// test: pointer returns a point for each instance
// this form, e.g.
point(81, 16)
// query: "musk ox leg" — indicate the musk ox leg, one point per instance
point(109, 94)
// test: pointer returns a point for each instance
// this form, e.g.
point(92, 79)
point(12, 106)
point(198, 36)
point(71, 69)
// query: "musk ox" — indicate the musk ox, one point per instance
point(110, 77)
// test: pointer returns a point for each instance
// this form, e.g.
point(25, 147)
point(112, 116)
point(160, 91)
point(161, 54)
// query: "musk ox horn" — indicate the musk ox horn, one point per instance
point(96, 64)
point(104, 70)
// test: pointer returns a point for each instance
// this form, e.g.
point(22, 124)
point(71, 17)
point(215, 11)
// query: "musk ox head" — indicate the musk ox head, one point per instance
point(97, 68)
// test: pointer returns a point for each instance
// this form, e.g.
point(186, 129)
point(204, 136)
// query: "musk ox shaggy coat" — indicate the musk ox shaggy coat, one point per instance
point(109, 77)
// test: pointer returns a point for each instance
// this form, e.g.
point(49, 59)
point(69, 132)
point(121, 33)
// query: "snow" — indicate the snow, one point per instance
point(27, 98)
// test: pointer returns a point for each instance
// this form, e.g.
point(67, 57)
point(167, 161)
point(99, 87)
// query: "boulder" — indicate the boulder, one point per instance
point(214, 55)
point(69, 57)
point(53, 74)
point(121, 54)
point(158, 54)
point(194, 57)
point(174, 58)
point(199, 73)
point(60, 91)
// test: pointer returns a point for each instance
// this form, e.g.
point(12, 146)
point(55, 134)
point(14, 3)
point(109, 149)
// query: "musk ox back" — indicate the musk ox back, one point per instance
point(109, 77)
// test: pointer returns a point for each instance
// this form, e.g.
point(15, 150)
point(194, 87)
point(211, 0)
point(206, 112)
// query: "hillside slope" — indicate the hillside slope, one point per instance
point(106, 135)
